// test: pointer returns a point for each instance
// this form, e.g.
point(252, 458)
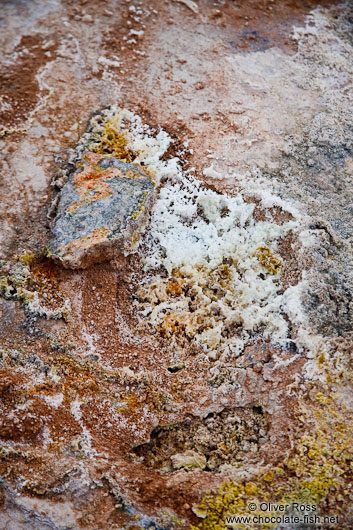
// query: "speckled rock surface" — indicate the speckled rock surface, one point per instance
point(98, 205)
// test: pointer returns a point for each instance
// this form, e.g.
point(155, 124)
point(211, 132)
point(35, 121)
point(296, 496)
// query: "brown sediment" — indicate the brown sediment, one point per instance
point(130, 386)
point(20, 89)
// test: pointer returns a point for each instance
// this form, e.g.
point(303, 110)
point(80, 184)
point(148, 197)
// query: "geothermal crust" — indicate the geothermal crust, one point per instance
point(175, 263)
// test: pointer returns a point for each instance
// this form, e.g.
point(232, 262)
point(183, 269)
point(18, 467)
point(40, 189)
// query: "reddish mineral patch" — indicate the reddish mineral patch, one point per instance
point(94, 407)
point(20, 88)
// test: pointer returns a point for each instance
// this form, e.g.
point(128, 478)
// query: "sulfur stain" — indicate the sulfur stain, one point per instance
point(268, 260)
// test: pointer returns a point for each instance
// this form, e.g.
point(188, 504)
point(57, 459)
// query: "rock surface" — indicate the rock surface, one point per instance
point(98, 206)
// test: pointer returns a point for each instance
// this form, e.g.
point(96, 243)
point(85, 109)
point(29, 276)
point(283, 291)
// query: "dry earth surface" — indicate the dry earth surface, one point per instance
point(169, 383)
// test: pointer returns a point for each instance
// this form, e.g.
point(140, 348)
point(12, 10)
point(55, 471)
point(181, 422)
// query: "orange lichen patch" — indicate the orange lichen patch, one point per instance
point(92, 179)
point(92, 158)
point(88, 179)
point(271, 263)
point(98, 235)
point(101, 191)
point(91, 183)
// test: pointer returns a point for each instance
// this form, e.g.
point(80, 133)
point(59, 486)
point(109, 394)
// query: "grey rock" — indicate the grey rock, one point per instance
point(101, 207)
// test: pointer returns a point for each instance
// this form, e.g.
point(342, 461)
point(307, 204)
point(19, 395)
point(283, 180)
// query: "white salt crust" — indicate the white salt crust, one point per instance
point(206, 243)
point(209, 241)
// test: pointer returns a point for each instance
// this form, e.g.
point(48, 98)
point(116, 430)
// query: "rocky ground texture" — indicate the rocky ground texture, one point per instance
point(175, 262)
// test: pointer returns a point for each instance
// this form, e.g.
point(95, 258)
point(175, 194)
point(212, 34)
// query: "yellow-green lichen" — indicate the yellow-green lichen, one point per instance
point(318, 469)
point(140, 211)
point(112, 141)
point(28, 258)
point(21, 284)
point(32, 258)
point(270, 262)
point(6, 289)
